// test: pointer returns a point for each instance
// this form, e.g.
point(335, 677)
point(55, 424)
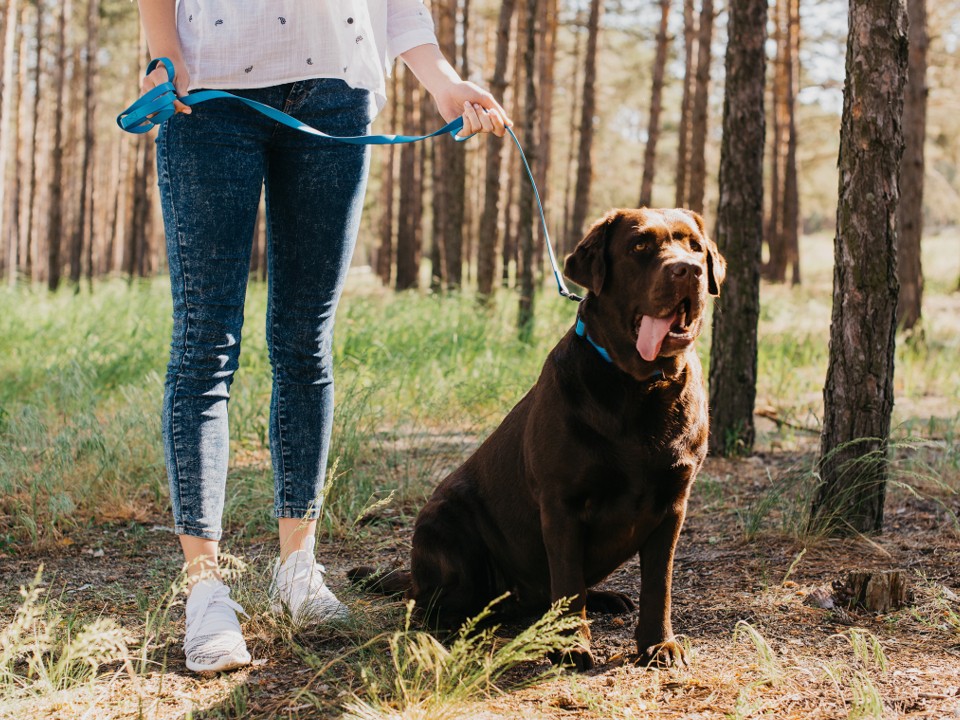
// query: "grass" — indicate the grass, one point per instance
point(420, 380)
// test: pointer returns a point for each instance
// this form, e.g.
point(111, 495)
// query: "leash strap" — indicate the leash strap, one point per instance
point(156, 107)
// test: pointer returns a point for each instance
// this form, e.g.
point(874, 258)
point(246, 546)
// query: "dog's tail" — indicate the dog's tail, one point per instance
point(382, 582)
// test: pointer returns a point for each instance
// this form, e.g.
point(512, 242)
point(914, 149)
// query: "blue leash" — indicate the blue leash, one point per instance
point(156, 107)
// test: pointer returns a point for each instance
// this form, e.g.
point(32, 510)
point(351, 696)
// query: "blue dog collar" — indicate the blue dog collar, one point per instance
point(581, 330)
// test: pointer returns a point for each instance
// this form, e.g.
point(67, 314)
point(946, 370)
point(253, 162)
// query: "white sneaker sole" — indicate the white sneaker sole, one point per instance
point(228, 662)
point(280, 608)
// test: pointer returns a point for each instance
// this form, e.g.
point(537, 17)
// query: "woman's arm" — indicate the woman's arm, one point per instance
point(159, 20)
point(454, 96)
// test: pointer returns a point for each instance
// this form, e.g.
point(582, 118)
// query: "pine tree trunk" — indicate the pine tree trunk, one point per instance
point(733, 350)
point(656, 102)
point(510, 251)
point(858, 393)
point(545, 70)
point(30, 257)
point(489, 230)
point(910, 214)
point(791, 192)
point(525, 219)
point(384, 256)
point(449, 173)
point(408, 233)
point(570, 177)
point(55, 217)
point(681, 183)
point(581, 197)
point(775, 268)
point(86, 163)
point(698, 124)
point(19, 139)
point(8, 141)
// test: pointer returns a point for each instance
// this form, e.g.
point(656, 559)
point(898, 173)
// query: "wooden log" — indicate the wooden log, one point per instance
point(878, 591)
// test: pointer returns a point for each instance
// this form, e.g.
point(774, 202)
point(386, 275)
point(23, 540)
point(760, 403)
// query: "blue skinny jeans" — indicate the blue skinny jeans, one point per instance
point(211, 166)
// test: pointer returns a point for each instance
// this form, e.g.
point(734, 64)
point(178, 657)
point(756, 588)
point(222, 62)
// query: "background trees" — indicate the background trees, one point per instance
point(858, 394)
point(642, 52)
point(733, 352)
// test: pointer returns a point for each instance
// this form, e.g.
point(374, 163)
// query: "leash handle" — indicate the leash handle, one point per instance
point(156, 107)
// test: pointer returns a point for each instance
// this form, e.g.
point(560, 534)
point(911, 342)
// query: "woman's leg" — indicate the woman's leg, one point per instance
point(210, 172)
point(314, 197)
point(315, 193)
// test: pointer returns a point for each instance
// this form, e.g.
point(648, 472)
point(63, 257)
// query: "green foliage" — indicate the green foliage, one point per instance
point(419, 380)
point(422, 678)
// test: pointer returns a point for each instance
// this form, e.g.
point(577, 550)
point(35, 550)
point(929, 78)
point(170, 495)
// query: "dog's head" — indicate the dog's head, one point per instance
point(648, 273)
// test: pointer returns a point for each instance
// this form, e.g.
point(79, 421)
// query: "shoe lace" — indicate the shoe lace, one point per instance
point(212, 604)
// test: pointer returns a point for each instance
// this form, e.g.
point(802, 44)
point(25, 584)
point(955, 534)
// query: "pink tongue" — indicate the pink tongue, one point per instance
point(650, 337)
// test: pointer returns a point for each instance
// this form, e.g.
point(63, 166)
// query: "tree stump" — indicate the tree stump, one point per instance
point(878, 591)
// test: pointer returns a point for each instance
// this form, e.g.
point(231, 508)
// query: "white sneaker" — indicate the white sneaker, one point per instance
point(298, 588)
point(213, 641)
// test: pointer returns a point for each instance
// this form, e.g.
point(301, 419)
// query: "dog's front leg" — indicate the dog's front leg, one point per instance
point(655, 642)
point(563, 538)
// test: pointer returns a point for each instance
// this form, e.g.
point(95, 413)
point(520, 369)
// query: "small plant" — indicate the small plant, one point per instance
point(867, 648)
point(771, 672)
point(866, 703)
point(423, 678)
point(42, 652)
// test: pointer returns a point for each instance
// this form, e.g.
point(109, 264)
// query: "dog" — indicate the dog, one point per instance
point(595, 464)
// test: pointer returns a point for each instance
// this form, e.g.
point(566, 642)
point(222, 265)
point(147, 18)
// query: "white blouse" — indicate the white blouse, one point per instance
point(257, 43)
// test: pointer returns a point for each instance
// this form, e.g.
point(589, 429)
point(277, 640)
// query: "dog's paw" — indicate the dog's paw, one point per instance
point(609, 602)
point(580, 659)
point(662, 655)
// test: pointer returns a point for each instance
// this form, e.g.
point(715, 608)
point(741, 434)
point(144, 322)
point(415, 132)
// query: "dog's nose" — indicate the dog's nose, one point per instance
point(682, 269)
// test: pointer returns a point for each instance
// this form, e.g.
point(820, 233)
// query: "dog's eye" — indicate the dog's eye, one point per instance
point(696, 246)
point(643, 242)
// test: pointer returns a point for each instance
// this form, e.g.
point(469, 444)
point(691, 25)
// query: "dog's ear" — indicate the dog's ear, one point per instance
point(716, 265)
point(587, 265)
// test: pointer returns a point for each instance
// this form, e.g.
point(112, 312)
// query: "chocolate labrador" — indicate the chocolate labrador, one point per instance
point(596, 462)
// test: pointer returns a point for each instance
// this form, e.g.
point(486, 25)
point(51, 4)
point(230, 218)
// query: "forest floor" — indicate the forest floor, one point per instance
point(801, 662)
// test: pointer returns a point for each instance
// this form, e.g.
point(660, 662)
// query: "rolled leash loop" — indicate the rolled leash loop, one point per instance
point(157, 106)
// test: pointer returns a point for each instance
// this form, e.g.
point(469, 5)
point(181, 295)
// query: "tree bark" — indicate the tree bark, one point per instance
point(8, 141)
point(30, 255)
point(489, 230)
point(656, 102)
point(775, 268)
point(566, 236)
point(698, 125)
point(55, 217)
point(525, 219)
point(89, 139)
point(858, 393)
point(384, 256)
point(910, 214)
point(408, 231)
point(547, 61)
point(581, 197)
point(686, 105)
point(791, 191)
point(733, 350)
point(449, 168)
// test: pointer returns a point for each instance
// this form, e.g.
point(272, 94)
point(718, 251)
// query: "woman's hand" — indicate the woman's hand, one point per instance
point(181, 81)
point(456, 97)
point(480, 111)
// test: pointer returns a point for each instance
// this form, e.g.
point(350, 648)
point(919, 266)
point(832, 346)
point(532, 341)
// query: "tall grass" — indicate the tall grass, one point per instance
point(423, 678)
point(419, 379)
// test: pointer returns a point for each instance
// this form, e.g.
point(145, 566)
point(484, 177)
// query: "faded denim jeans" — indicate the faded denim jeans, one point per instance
point(211, 165)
